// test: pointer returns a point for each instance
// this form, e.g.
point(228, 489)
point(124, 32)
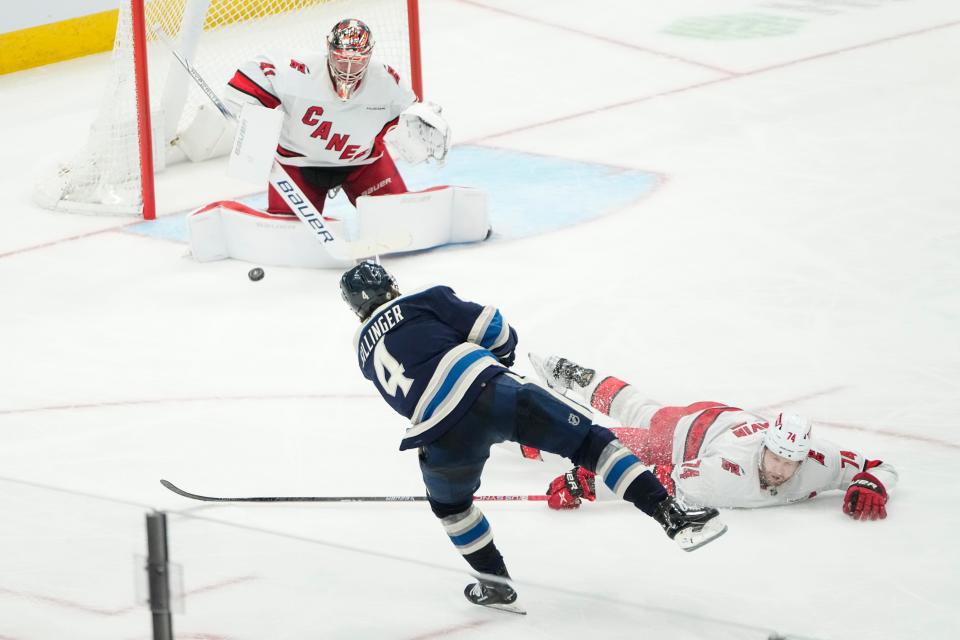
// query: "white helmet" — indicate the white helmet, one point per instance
point(788, 437)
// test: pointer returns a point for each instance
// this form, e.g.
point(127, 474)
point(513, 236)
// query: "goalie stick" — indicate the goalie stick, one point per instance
point(284, 185)
point(194, 496)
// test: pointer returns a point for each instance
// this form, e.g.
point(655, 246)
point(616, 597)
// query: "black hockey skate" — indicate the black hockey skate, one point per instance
point(496, 595)
point(689, 528)
point(561, 374)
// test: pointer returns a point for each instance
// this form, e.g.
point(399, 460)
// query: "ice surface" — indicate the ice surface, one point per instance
point(801, 250)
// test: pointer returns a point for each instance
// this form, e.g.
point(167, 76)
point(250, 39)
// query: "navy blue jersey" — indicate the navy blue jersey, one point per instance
point(428, 353)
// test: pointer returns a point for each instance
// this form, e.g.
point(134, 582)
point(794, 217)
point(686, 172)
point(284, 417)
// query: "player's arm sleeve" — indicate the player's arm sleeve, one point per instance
point(492, 332)
point(478, 324)
point(252, 83)
point(844, 464)
point(403, 95)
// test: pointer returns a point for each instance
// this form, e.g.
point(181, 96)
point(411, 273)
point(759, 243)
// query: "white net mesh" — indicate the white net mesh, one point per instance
point(216, 36)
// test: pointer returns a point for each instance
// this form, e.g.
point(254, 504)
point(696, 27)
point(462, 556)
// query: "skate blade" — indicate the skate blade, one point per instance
point(691, 539)
point(509, 608)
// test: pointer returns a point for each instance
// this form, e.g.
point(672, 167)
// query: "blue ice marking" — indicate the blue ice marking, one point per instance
point(528, 194)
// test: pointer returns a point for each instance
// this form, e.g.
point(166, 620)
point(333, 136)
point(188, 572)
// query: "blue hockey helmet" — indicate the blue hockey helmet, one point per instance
point(367, 286)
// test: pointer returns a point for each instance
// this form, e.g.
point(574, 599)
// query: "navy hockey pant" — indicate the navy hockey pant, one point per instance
point(509, 409)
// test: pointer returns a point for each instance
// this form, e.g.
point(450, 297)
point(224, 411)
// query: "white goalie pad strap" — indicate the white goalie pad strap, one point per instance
point(430, 218)
point(421, 134)
point(232, 230)
point(255, 143)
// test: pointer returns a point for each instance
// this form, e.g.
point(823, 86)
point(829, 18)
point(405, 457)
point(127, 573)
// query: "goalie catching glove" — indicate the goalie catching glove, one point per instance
point(421, 134)
point(866, 498)
point(566, 491)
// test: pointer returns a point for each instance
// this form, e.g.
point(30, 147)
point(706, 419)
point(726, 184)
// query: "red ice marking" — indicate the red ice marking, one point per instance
point(76, 606)
point(596, 36)
point(853, 427)
point(68, 239)
point(449, 631)
point(891, 433)
point(229, 582)
point(796, 399)
point(132, 403)
point(697, 85)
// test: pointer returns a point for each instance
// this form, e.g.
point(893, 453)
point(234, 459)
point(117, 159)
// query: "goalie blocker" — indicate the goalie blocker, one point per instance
point(387, 224)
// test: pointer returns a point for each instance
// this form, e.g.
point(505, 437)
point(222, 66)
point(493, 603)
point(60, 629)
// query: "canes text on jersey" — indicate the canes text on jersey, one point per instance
point(377, 329)
point(338, 142)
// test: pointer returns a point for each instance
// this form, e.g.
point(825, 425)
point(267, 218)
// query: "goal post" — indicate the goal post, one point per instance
point(150, 100)
point(148, 202)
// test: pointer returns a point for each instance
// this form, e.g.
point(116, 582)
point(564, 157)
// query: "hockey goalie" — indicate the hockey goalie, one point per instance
point(336, 112)
point(716, 455)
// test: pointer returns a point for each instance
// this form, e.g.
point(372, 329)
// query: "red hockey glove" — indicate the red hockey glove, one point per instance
point(866, 498)
point(565, 491)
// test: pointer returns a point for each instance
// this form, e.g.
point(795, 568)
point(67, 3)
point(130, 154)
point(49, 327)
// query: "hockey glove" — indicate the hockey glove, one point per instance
point(420, 134)
point(565, 491)
point(866, 498)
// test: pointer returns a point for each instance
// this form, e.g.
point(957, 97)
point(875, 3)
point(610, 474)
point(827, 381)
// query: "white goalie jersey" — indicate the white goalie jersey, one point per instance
point(320, 129)
point(708, 453)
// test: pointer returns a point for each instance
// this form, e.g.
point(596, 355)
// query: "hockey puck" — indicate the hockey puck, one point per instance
point(255, 274)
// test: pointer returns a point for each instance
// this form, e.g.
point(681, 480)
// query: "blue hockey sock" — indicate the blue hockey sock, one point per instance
point(620, 470)
point(471, 534)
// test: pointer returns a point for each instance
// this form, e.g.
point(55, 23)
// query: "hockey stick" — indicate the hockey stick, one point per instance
point(193, 496)
point(298, 202)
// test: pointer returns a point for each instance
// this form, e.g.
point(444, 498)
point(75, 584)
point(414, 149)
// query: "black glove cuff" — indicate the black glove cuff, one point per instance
point(863, 483)
point(573, 486)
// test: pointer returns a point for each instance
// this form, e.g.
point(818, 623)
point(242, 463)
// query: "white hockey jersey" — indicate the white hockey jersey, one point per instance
point(716, 453)
point(320, 129)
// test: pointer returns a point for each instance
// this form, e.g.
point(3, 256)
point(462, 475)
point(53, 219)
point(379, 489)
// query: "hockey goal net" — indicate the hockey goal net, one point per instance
point(112, 173)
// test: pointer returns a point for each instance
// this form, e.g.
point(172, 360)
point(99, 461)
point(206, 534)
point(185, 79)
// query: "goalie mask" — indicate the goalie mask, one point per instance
point(367, 286)
point(349, 47)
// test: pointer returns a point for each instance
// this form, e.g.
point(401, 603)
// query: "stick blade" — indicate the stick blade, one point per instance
point(186, 494)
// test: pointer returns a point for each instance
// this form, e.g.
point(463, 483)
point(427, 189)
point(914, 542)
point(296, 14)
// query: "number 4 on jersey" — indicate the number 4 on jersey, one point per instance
point(384, 363)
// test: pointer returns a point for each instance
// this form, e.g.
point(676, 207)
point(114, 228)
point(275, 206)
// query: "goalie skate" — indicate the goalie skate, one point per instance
point(493, 595)
point(561, 374)
point(691, 528)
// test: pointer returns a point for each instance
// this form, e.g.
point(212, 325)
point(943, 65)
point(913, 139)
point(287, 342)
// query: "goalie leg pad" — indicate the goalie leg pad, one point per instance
point(232, 230)
point(429, 218)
